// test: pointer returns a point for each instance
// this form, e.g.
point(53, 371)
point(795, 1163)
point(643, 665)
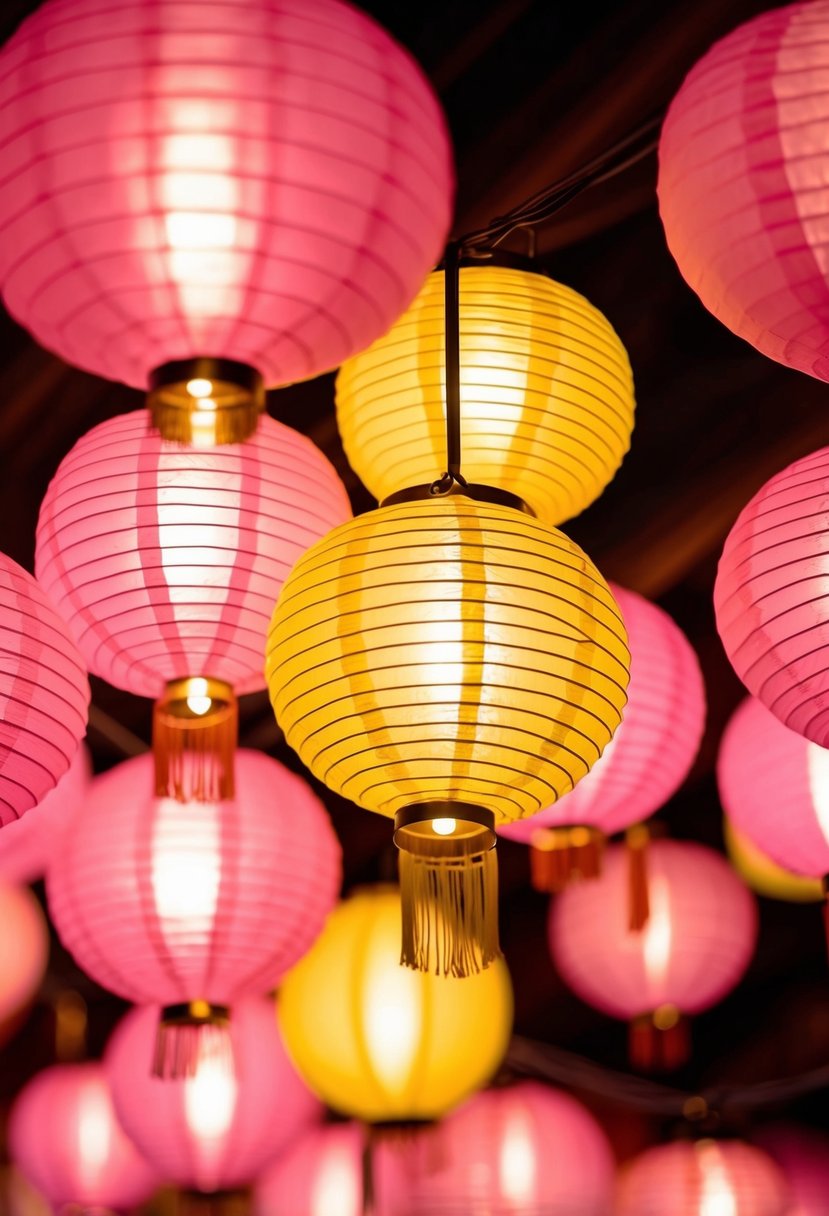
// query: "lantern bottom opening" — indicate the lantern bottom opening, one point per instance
point(205, 402)
point(195, 732)
point(188, 1036)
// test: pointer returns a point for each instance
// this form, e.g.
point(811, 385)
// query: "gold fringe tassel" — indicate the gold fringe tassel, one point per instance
point(194, 751)
point(659, 1041)
point(637, 840)
point(559, 856)
point(190, 1034)
point(450, 912)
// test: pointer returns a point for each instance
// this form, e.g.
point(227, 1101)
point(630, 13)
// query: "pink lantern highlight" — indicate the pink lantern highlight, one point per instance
point(217, 1129)
point(704, 1178)
point(693, 949)
point(24, 949)
point(774, 786)
point(771, 601)
point(742, 160)
point(803, 1156)
point(166, 560)
point(320, 1175)
point(265, 181)
point(27, 845)
point(44, 694)
point(65, 1139)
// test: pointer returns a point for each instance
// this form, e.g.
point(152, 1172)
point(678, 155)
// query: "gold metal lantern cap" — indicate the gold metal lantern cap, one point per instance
point(205, 402)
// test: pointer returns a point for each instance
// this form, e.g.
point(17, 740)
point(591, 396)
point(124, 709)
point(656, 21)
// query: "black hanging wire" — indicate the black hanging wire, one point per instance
point(452, 373)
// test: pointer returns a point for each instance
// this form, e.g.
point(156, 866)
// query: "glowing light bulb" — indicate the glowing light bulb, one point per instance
point(210, 1099)
point(199, 387)
point(716, 1194)
point(198, 701)
point(444, 827)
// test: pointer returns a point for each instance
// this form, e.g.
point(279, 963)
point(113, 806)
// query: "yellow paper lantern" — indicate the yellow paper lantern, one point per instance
point(379, 1042)
point(454, 664)
point(546, 393)
point(765, 876)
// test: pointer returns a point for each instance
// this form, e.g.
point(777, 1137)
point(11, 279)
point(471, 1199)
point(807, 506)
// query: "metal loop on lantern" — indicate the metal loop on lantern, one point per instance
point(454, 487)
point(205, 402)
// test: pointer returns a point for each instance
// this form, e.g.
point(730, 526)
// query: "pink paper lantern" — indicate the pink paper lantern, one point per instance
point(27, 844)
point(771, 600)
point(265, 181)
point(24, 949)
point(742, 162)
point(704, 1178)
point(65, 1139)
point(516, 1151)
point(649, 757)
point(692, 950)
point(320, 1175)
point(774, 786)
point(181, 903)
point(219, 1128)
point(44, 694)
point(803, 1155)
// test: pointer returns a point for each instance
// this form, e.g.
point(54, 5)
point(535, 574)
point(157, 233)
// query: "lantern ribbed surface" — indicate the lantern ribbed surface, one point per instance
point(546, 393)
point(321, 1174)
point(65, 1139)
point(742, 161)
point(649, 757)
point(166, 560)
point(701, 1178)
point(522, 1150)
point(774, 786)
point(447, 650)
point(693, 949)
point(770, 596)
point(802, 1153)
point(169, 902)
point(24, 948)
point(218, 1129)
point(44, 693)
point(267, 181)
point(27, 844)
point(380, 1042)
point(764, 876)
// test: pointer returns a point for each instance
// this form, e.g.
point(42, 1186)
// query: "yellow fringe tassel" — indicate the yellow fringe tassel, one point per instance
point(559, 856)
point(194, 752)
point(450, 912)
point(637, 840)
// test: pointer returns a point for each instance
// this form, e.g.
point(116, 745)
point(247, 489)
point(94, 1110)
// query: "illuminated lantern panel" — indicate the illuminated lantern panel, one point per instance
point(803, 1155)
point(546, 393)
point(742, 159)
point(67, 1142)
point(703, 1178)
point(774, 787)
point(219, 1128)
point(24, 948)
point(27, 844)
point(381, 1042)
point(320, 1175)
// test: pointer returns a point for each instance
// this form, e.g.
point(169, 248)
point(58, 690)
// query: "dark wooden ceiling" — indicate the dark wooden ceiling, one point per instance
point(533, 89)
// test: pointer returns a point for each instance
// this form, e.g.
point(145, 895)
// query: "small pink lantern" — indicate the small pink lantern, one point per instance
point(742, 161)
point(803, 1155)
point(515, 1151)
point(65, 1139)
point(27, 844)
point(771, 600)
point(645, 762)
point(219, 1128)
point(266, 183)
point(320, 1175)
point(44, 694)
point(193, 905)
point(702, 1178)
point(24, 949)
point(691, 951)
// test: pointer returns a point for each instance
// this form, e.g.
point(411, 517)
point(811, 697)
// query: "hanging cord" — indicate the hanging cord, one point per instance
point(452, 331)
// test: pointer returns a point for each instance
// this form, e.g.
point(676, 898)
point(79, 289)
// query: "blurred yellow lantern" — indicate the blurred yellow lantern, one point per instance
point(454, 664)
point(765, 876)
point(546, 392)
point(379, 1042)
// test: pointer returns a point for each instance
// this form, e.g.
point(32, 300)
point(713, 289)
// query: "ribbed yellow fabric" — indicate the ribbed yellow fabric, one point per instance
point(447, 649)
point(546, 393)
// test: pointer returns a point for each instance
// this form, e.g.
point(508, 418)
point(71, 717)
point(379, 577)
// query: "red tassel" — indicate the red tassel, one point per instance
point(559, 856)
point(659, 1041)
point(637, 840)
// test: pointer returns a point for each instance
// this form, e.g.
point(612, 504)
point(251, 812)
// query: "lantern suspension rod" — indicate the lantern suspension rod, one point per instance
point(452, 351)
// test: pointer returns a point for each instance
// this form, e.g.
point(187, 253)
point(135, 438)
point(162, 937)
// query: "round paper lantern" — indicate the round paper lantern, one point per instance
point(27, 844)
point(647, 759)
point(692, 950)
point(192, 905)
point(803, 1155)
point(764, 876)
point(219, 1128)
point(517, 1151)
point(24, 948)
point(322, 1174)
point(452, 664)
point(378, 1041)
point(772, 610)
point(257, 191)
point(44, 693)
point(741, 162)
point(546, 392)
point(165, 561)
point(65, 1139)
point(702, 1178)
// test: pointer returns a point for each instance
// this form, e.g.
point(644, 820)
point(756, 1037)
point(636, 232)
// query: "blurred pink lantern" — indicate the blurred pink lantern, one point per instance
point(166, 561)
point(65, 1139)
point(771, 598)
point(803, 1155)
point(695, 945)
point(702, 1178)
point(516, 1151)
point(24, 949)
point(647, 759)
point(320, 1175)
point(192, 905)
point(219, 1128)
point(742, 162)
point(262, 182)
point(44, 694)
point(27, 845)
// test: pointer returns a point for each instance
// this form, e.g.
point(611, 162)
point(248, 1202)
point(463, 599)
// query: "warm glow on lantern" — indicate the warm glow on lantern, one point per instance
point(94, 1129)
point(335, 1189)
point(210, 1097)
point(516, 1158)
point(702, 1178)
point(391, 1016)
point(716, 1197)
point(186, 868)
point(655, 940)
